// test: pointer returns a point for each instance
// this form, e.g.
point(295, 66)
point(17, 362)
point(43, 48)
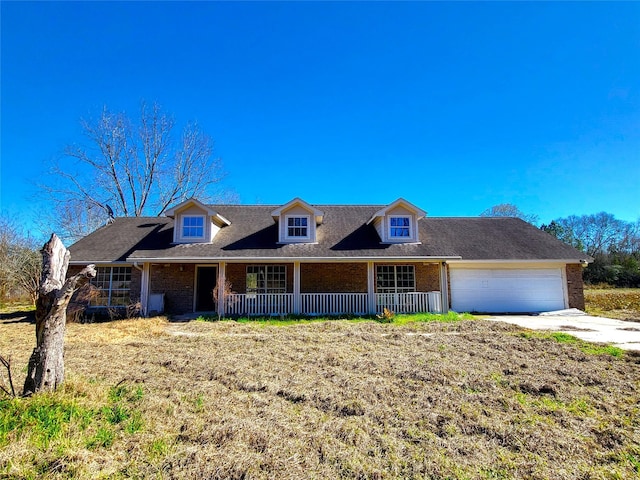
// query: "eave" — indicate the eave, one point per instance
point(416, 258)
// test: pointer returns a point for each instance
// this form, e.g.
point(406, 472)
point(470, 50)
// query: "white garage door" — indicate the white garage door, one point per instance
point(506, 290)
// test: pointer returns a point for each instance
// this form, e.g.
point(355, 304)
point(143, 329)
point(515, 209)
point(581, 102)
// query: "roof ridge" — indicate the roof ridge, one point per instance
point(312, 204)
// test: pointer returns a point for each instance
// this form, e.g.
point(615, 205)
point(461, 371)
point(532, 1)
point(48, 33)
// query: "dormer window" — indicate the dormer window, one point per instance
point(297, 227)
point(297, 222)
point(400, 227)
point(193, 226)
point(195, 222)
point(397, 222)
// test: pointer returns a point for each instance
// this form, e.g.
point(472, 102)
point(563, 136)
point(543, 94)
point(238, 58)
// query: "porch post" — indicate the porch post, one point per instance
point(222, 276)
point(371, 287)
point(296, 288)
point(444, 287)
point(144, 289)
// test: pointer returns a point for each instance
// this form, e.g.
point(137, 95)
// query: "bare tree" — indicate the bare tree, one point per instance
point(614, 244)
point(223, 293)
point(19, 262)
point(28, 268)
point(46, 365)
point(599, 233)
point(509, 210)
point(8, 235)
point(131, 168)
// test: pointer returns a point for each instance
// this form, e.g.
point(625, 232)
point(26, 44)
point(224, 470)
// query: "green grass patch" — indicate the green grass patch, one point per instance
point(450, 317)
point(395, 319)
point(283, 320)
point(578, 407)
point(103, 438)
point(561, 337)
point(59, 420)
point(13, 307)
point(158, 448)
point(42, 418)
point(586, 347)
point(593, 349)
point(121, 393)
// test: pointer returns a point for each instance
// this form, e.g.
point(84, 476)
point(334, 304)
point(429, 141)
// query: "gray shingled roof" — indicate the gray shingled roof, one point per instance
point(344, 233)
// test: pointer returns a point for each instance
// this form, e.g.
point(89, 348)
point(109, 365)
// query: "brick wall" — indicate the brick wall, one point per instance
point(176, 284)
point(575, 286)
point(333, 278)
point(236, 273)
point(427, 277)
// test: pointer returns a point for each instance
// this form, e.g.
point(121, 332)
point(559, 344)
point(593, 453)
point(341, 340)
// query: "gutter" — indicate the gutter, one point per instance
point(291, 259)
point(98, 263)
point(582, 261)
point(455, 259)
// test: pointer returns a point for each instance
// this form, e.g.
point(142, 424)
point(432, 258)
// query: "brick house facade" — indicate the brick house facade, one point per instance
point(304, 259)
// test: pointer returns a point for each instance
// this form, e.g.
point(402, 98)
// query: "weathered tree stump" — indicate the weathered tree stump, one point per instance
point(46, 365)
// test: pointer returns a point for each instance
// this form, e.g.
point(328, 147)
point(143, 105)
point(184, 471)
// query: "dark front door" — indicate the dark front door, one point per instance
point(206, 279)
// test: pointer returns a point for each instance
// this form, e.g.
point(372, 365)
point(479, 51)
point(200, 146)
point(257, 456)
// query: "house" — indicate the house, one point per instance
point(307, 259)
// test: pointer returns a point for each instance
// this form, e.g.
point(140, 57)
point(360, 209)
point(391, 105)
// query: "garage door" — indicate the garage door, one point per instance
point(506, 290)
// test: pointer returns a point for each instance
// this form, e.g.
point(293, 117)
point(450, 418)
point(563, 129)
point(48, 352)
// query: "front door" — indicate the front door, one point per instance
point(206, 279)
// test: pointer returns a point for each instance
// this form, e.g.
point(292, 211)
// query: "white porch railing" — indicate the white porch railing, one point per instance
point(333, 304)
point(330, 303)
point(411, 302)
point(259, 304)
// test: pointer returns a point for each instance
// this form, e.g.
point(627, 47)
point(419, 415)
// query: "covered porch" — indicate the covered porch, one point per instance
point(338, 288)
point(297, 288)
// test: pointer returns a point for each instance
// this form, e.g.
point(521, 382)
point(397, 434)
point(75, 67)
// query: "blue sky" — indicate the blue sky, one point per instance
point(454, 106)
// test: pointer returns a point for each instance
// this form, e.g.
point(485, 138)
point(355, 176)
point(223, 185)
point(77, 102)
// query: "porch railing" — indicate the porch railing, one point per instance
point(333, 304)
point(411, 302)
point(259, 304)
point(330, 303)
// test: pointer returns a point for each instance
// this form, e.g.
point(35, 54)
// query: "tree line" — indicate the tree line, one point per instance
point(613, 244)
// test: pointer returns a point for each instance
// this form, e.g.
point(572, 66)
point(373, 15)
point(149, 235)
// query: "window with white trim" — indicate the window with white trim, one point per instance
point(266, 279)
point(297, 227)
point(114, 287)
point(193, 226)
point(400, 227)
point(395, 279)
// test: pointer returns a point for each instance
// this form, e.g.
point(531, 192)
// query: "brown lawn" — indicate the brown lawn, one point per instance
point(338, 399)
point(620, 303)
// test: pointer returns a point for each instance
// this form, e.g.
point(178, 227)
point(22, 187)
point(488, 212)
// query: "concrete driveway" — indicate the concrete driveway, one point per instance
point(619, 333)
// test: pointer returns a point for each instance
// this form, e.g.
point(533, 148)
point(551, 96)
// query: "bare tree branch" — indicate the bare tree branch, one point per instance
point(509, 210)
point(6, 363)
point(138, 167)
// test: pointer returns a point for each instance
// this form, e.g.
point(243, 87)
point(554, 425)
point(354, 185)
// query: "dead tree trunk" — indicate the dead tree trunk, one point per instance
point(46, 365)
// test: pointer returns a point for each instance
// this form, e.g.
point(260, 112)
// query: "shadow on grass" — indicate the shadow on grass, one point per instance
point(19, 316)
